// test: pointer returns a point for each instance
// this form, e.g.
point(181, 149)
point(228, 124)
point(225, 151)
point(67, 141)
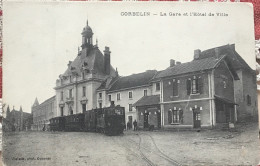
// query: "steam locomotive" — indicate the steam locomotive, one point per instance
point(109, 120)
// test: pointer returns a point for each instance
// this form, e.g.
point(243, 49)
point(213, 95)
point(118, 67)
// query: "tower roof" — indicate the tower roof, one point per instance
point(87, 31)
point(36, 102)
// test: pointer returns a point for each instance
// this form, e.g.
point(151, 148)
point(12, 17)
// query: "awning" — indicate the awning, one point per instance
point(225, 100)
point(148, 100)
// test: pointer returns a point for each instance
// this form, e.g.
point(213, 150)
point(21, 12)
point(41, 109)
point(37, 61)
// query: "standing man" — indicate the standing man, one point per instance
point(128, 125)
point(135, 125)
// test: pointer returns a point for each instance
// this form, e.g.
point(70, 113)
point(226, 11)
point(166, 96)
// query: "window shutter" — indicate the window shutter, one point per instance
point(200, 84)
point(188, 86)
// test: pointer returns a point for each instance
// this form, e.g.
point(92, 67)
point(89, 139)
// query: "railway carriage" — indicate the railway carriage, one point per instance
point(90, 120)
point(110, 120)
point(57, 124)
point(74, 122)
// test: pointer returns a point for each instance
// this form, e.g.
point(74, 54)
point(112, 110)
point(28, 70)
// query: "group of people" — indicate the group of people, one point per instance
point(134, 124)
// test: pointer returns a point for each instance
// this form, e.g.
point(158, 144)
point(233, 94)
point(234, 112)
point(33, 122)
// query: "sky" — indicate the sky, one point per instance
point(40, 38)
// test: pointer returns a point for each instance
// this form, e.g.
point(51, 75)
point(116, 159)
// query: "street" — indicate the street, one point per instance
point(207, 147)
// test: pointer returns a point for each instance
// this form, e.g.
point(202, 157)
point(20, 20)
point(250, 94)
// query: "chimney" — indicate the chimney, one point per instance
point(107, 60)
point(172, 63)
point(197, 54)
point(217, 52)
point(178, 63)
point(117, 73)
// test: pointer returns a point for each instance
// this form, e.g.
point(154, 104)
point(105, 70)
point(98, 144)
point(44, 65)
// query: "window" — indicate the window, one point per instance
point(194, 85)
point(100, 95)
point(157, 86)
point(70, 93)
point(248, 98)
point(84, 107)
point(83, 91)
point(175, 87)
point(130, 95)
point(61, 96)
point(71, 111)
point(145, 92)
point(130, 107)
point(109, 98)
point(61, 111)
point(175, 116)
point(100, 105)
point(118, 96)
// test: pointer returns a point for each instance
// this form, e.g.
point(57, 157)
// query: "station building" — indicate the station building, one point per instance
point(217, 87)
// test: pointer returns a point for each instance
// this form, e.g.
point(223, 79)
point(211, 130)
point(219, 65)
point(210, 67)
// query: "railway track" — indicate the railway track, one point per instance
point(163, 155)
point(158, 152)
point(139, 155)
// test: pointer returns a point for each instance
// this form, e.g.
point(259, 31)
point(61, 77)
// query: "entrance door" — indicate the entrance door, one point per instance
point(130, 119)
point(159, 119)
point(146, 125)
point(196, 119)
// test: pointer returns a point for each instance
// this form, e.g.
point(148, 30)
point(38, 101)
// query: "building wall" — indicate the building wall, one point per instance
point(244, 87)
point(154, 113)
point(43, 113)
point(223, 81)
point(188, 114)
point(154, 90)
point(182, 88)
point(77, 97)
point(184, 101)
point(137, 94)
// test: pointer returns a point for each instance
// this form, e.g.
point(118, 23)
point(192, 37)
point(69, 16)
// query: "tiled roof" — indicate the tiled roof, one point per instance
point(93, 60)
point(133, 80)
point(193, 66)
point(147, 100)
point(236, 60)
point(107, 83)
point(49, 99)
point(208, 60)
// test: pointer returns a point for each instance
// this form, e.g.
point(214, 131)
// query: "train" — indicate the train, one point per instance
point(108, 120)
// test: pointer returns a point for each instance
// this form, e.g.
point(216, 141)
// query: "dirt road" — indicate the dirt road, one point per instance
point(140, 148)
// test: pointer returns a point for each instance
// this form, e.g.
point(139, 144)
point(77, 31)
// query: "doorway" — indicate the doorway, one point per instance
point(196, 119)
point(130, 120)
point(159, 119)
point(146, 123)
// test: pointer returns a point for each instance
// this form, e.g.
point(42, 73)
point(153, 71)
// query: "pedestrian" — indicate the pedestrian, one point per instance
point(128, 125)
point(135, 125)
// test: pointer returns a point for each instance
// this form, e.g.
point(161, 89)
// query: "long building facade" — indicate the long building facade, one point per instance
point(42, 113)
point(217, 87)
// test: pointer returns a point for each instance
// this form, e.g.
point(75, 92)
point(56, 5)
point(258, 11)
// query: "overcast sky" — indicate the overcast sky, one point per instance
point(41, 38)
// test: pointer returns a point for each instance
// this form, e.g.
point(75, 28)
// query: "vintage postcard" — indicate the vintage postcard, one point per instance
point(129, 83)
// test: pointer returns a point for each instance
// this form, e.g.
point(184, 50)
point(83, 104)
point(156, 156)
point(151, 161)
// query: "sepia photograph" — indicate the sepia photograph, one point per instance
point(129, 83)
